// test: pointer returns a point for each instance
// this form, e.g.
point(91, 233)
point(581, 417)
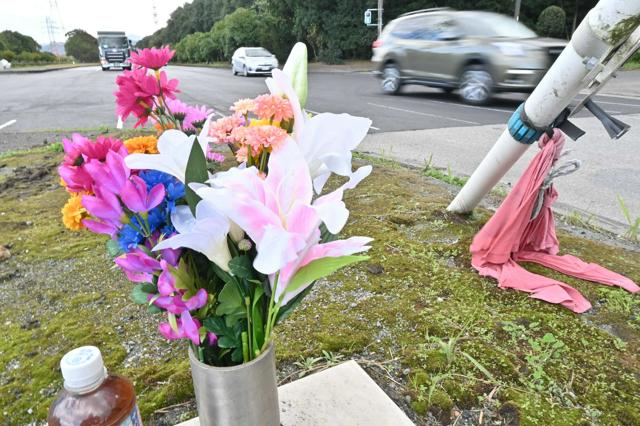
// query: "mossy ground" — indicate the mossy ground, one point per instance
point(440, 339)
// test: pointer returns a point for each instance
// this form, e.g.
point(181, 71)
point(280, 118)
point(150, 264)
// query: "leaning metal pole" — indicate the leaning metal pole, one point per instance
point(595, 42)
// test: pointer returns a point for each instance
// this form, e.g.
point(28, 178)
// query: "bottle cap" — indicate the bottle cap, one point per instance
point(82, 368)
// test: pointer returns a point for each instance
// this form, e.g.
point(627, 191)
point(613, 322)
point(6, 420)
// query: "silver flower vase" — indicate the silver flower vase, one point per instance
point(245, 394)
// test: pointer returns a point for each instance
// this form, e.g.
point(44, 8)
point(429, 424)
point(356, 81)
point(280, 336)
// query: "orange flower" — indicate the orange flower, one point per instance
point(142, 145)
point(73, 212)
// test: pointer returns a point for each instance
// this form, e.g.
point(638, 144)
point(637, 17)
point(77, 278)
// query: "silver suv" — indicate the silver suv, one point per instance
point(478, 53)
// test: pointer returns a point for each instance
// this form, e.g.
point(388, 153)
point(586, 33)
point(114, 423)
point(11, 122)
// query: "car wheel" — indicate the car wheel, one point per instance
point(391, 81)
point(447, 89)
point(244, 71)
point(233, 69)
point(476, 85)
point(105, 69)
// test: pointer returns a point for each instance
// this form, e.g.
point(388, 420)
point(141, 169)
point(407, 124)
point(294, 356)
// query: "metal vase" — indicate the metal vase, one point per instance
point(242, 395)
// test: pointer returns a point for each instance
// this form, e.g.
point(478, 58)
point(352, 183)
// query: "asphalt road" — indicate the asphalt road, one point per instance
point(418, 124)
point(83, 98)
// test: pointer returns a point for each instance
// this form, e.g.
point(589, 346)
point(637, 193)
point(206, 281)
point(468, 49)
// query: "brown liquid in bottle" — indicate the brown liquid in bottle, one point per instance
point(91, 397)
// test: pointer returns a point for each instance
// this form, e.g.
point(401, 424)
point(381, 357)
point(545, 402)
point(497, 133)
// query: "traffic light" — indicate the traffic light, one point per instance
point(367, 17)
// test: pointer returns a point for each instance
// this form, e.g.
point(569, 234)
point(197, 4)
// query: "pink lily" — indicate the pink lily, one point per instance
point(112, 174)
point(138, 266)
point(134, 195)
point(278, 215)
point(76, 178)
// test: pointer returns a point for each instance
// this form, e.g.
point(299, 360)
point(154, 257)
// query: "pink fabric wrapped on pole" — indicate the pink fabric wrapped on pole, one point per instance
point(511, 236)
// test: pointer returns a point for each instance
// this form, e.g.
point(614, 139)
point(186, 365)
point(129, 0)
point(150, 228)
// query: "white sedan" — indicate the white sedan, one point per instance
point(253, 60)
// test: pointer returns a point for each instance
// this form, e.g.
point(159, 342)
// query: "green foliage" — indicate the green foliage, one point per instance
point(551, 22)
point(634, 223)
point(82, 46)
point(18, 43)
point(196, 173)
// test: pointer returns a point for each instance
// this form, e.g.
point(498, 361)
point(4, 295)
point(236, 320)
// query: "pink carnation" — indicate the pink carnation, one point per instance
point(243, 106)
point(260, 137)
point(273, 107)
point(220, 130)
point(154, 58)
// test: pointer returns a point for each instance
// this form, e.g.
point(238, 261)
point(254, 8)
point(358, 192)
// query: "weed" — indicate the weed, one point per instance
point(634, 224)
point(543, 350)
point(307, 365)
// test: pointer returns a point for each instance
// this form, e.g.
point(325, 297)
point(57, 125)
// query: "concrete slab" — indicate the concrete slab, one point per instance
point(344, 395)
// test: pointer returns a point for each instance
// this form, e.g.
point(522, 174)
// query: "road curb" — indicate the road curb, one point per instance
point(41, 70)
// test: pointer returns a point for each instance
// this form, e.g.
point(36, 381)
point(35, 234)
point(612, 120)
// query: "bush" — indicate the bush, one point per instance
point(551, 22)
point(9, 55)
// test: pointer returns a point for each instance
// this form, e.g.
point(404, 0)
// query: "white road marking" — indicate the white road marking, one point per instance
point(462, 105)
point(423, 113)
point(598, 101)
point(633, 98)
point(7, 124)
point(316, 113)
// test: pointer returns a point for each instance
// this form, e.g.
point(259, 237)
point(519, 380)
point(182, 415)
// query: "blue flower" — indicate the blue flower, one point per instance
point(173, 187)
point(129, 238)
point(157, 217)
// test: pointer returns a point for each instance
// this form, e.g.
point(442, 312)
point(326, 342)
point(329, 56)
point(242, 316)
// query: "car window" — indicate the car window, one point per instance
point(238, 52)
point(433, 27)
point(258, 52)
point(494, 25)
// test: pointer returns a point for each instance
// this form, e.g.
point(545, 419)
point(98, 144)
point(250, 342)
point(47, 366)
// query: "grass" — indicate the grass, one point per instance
point(416, 315)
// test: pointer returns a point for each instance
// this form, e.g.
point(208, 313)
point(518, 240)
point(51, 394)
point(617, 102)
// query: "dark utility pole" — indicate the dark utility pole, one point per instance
point(516, 13)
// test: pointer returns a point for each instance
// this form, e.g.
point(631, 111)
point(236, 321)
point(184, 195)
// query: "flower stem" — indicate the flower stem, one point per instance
point(267, 333)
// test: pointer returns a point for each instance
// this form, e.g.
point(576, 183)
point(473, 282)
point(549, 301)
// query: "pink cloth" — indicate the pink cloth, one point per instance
point(510, 236)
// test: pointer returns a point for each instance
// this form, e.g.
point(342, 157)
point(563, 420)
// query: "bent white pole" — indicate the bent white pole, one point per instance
point(605, 27)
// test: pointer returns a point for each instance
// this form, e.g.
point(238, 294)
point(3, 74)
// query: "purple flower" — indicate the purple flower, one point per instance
point(177, 305)
point(134, 195)
point(105, 206)
point(138, 266)
point(111, 175)
point(188, 327)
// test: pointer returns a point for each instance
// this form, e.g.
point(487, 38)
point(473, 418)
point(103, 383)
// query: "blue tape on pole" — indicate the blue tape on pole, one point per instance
point(522, 131)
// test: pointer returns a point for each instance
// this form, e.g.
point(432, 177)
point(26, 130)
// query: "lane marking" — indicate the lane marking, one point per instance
point(612, 95)
point(423, 113)
point(615, 103)
point(316, 113)
point(7, 124)
point(462, 105)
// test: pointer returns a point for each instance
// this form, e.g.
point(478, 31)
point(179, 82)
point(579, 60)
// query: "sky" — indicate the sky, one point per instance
point(135, 17)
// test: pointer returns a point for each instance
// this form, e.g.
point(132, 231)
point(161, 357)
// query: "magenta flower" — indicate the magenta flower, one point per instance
point(104, 205)
point(99, 149)
point(138, 266)
point(166, 280)
point(177, 305)
point(154, 58)
point(111, 175)
point(196, 116)
point(76, 178)
point(130, 98)
point(134, 195)
point(188, 328)
point(72, 154)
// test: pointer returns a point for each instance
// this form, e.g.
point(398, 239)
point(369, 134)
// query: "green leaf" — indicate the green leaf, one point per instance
point(320, 268)
point(241, 267)
point(231, 303)
point(140, 292)
point(256, 318)
point(184, 281)
point(113, 248)
point(196, 172)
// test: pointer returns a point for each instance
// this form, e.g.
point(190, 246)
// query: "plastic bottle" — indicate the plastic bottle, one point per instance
point(90, 395)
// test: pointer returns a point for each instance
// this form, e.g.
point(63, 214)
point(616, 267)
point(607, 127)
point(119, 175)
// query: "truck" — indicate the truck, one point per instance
point(114, 49)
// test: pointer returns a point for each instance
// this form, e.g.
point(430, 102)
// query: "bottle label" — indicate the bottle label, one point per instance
point(133, 419)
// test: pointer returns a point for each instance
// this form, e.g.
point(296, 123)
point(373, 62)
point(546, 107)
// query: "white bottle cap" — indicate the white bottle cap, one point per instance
point(82, 369)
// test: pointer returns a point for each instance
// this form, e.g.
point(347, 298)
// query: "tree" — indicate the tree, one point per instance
point(551, 22)
point(19, 43)
point(82, 46)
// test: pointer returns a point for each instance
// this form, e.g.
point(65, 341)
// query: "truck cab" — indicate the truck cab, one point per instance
point(114, 49)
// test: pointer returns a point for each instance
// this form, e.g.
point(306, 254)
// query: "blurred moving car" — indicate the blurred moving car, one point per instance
point(253, 60)
point(478, 53)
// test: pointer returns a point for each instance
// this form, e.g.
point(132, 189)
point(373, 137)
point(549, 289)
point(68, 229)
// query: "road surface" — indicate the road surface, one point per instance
point(457, 135)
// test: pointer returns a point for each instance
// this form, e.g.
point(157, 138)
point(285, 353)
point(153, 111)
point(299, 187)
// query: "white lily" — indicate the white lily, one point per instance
point(174, 149)
point(205, 233)
point(326, 140)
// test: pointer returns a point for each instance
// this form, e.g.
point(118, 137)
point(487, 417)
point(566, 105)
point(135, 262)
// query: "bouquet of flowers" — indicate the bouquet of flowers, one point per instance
point(223, 255)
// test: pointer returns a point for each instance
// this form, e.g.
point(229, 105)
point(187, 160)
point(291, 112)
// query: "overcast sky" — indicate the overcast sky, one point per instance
point(135, 17)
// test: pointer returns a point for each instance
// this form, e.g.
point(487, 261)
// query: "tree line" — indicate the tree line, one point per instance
point(210, 30)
